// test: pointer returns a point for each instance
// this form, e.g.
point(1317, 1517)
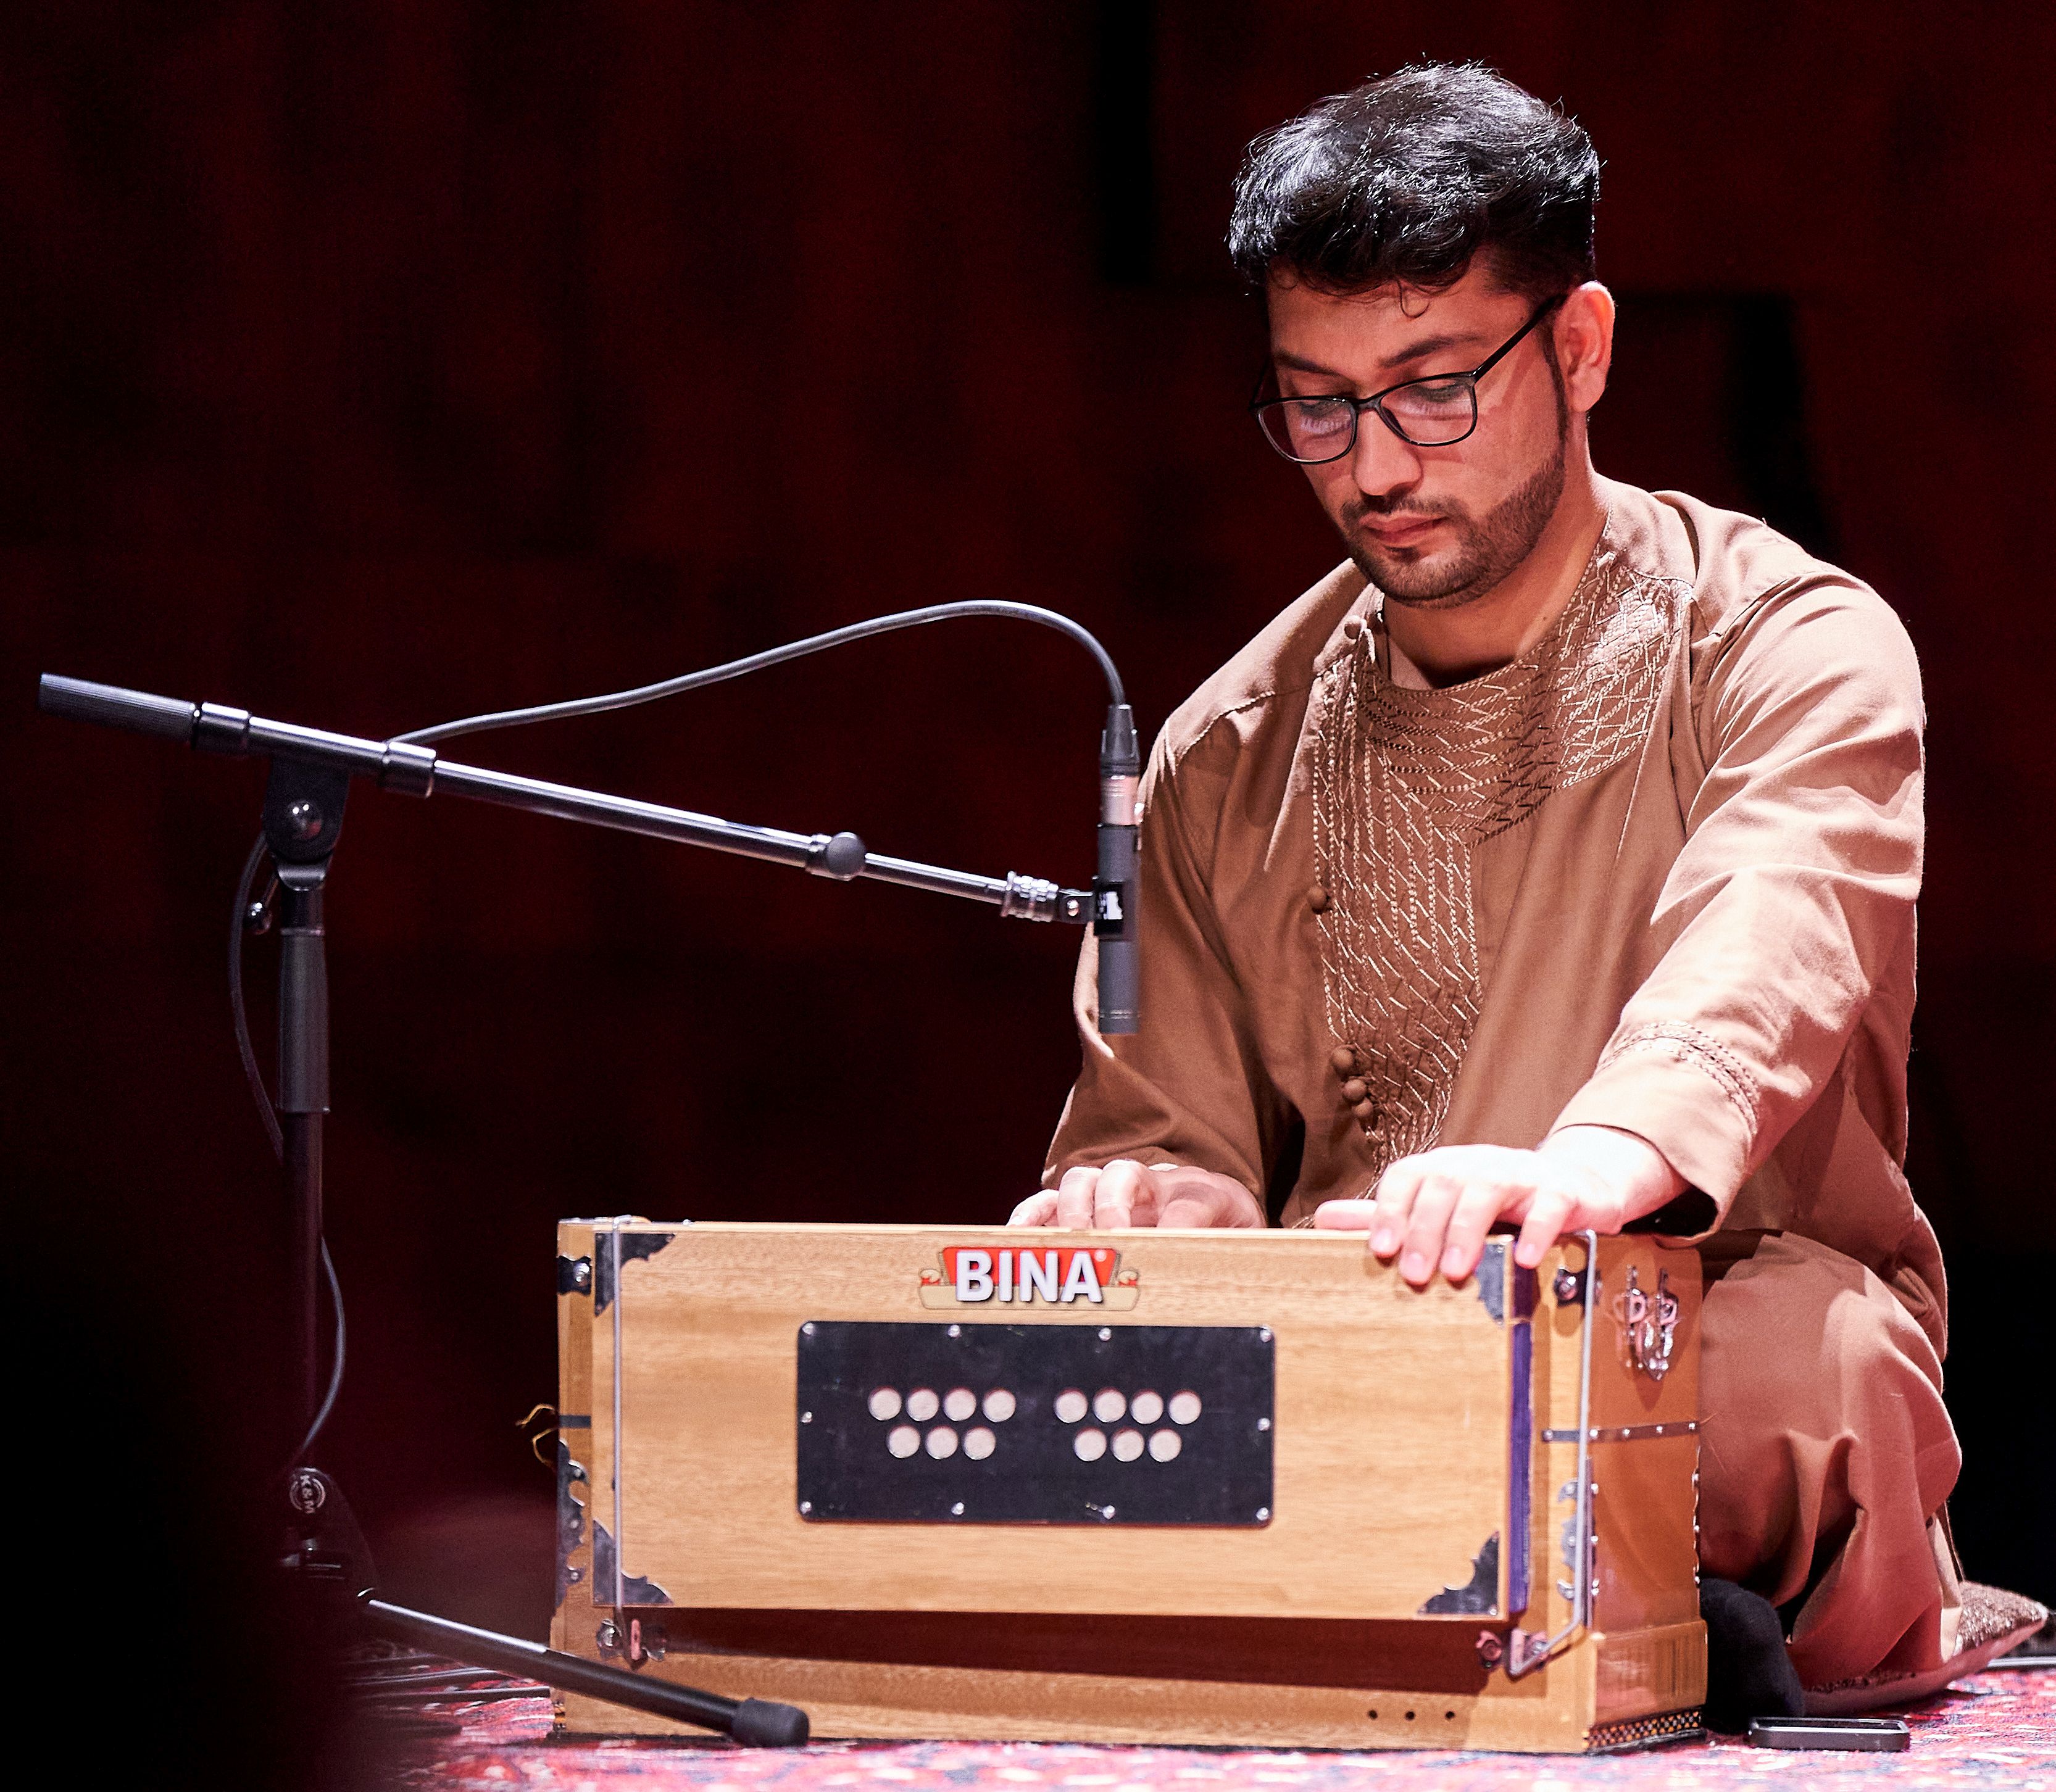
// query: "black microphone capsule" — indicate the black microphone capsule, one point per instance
point(1114, 888)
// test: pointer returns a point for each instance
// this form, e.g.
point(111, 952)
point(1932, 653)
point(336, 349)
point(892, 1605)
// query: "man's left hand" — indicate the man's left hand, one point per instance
point(1434, 1209)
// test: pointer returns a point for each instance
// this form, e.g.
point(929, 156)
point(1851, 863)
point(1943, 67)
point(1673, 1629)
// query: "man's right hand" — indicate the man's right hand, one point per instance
point(1127, 1193)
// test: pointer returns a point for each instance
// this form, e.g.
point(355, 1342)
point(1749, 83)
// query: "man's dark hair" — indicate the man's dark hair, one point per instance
point(1404, 180)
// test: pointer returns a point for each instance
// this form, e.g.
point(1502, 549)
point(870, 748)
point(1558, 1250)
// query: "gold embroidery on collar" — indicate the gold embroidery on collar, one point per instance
point(1408, 783)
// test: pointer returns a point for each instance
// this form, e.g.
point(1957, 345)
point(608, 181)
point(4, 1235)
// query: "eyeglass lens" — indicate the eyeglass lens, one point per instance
point(1430, 413)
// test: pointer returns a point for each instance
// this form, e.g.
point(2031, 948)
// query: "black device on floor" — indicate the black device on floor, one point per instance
point(1885, 1736)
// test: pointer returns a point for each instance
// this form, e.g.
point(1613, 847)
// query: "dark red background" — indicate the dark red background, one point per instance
point(370, 363)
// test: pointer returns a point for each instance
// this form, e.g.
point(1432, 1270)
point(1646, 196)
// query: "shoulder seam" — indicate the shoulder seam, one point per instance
point(1177, 754)
point(1709, 650)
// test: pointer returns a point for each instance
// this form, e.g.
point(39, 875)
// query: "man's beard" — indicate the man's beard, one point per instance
point(1485, 552)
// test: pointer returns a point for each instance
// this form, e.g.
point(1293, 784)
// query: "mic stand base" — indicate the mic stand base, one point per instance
point(325, 1550)
point(327, 1557)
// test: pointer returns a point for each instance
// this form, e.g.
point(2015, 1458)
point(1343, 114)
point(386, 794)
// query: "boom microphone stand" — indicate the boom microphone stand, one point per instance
point(304, 799)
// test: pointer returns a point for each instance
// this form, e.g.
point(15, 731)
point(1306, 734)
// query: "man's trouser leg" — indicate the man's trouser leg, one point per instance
point(1825, 1456)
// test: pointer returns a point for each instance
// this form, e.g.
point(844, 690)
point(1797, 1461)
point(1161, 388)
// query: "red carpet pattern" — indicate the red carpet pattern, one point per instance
point(1993, 1730)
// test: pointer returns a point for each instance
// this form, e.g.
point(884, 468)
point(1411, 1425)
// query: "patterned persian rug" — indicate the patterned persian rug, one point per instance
point(1996, 1729)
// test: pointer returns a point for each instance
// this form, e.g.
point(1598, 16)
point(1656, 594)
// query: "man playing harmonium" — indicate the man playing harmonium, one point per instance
point(1552, 864)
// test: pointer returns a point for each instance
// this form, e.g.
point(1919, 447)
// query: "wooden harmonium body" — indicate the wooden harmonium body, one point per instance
point(1220, 1487)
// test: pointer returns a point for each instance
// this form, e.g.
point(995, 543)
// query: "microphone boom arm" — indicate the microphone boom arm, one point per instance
point(412, 770)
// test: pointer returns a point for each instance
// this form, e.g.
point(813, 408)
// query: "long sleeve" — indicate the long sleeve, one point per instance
point(1794, 895)
point(1189, 1087)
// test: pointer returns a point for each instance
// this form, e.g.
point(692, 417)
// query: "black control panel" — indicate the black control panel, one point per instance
point(956, 1424)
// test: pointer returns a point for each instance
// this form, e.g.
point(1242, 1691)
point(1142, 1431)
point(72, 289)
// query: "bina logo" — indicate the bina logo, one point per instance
point(1009, 1275)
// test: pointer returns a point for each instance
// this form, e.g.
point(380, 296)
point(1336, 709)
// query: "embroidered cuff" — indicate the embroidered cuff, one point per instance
point(1684, 1093)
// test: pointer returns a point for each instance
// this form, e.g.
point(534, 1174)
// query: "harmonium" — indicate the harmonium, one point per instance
point(1133, 1487)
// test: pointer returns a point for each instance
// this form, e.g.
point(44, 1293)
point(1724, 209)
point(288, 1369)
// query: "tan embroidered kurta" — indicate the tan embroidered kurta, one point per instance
point(1658, 874)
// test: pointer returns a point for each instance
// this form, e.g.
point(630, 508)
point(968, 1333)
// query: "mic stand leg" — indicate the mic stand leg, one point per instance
point(325, 1552)
point(302, 1107)
point(303, 805)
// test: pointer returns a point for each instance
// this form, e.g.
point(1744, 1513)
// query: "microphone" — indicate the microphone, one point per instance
point(1114, 888)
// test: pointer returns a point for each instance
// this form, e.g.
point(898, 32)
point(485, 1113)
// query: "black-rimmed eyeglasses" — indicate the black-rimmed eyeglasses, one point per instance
point(1437, 412)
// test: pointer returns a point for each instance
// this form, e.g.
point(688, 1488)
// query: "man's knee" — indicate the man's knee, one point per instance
point(1821, 1397)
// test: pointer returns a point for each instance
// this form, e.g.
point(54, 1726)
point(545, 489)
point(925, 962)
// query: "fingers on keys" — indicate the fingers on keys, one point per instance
point(1127, 1195)
point(1039, 1209)
point(1198, 1199)
point(1477, 1206)
point(1550, 1214)
point(1124, 1192)
point(1434, 1211)
point(1075, 1197)
point(1438, 1194)
point(1393, 1205)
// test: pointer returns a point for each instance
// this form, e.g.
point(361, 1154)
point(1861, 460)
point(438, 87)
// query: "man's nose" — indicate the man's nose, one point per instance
point(1381, 463)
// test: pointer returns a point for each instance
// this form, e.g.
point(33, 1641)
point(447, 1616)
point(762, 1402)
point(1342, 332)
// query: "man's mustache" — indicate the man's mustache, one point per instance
point(1365, 507)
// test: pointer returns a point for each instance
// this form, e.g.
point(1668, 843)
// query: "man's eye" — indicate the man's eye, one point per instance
point(1433, 395)
point(1320, 416)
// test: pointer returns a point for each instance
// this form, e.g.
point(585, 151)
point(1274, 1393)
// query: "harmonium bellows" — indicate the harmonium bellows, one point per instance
point(1138, 1487)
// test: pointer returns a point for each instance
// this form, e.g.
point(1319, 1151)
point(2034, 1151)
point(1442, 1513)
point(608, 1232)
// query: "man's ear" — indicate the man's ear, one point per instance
point(1584, 344)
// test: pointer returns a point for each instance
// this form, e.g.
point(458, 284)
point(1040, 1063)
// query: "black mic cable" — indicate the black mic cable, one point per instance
point(1119, 766)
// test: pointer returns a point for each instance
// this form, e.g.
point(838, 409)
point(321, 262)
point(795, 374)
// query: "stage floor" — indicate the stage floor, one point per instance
point(1995, 1729)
